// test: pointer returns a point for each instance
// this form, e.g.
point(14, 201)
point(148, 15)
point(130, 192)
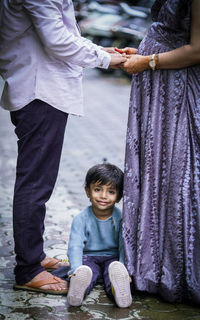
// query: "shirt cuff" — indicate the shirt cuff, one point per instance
point(104, 59)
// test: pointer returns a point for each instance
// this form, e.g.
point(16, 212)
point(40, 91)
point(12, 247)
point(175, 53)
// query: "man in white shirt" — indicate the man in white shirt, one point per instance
point(41, 59)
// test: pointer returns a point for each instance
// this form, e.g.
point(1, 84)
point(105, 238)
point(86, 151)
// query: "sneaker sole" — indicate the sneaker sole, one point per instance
point(120, 284)
point(78, 285)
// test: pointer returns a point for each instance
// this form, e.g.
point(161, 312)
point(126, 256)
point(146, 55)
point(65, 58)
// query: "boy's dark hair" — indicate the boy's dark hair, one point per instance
point(106, 173)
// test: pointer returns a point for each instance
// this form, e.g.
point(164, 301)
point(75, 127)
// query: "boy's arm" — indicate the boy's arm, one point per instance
point(76, 244)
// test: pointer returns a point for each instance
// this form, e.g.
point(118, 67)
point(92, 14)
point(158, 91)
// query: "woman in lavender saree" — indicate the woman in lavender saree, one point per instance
point(161, 222)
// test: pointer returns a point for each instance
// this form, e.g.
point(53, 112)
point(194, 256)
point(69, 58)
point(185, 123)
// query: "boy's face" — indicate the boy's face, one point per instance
point(103, 198)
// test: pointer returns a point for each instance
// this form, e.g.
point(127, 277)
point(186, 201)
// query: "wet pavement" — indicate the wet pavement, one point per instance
point(100, 134)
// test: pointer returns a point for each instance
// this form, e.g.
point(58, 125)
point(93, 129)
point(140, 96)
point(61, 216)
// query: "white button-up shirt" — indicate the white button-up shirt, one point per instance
point(42, 54)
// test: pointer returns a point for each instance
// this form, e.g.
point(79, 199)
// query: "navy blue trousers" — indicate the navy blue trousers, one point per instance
point(99, 266)
point(40, 130)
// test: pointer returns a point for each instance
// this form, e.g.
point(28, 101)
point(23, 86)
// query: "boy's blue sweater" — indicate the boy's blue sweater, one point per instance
point(90, 236)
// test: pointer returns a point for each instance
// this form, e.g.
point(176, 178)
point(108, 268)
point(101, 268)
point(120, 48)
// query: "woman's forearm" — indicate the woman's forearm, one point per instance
point(182, 57)
point(187, 55)
point(179, 58)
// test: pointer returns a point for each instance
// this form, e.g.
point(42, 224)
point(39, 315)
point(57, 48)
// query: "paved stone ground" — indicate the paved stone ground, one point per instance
point(100, 134)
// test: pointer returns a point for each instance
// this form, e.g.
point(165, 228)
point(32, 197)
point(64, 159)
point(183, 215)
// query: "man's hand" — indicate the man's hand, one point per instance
point(109, 49)
point(116, 60)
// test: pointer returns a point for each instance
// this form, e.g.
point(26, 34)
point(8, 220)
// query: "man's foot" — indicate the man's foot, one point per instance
point(79, 282)
point(46, 283)
point(120, 283)
point(52, 264)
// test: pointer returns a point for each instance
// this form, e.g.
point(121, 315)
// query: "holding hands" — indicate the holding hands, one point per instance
point(117, 58)
point(127, 59)
point(135, 62)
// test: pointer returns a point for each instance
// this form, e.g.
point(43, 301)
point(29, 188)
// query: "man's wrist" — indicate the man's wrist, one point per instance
point(105, 59)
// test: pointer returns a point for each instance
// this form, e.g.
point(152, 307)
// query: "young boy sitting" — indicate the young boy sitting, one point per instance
point(95, 248)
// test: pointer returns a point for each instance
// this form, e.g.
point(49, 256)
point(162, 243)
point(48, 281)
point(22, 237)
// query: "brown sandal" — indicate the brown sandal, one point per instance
point(35, 286)
point(51, 265)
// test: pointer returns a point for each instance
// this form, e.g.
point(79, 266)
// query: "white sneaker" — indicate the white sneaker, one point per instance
point(120, 284)
point(79, 283)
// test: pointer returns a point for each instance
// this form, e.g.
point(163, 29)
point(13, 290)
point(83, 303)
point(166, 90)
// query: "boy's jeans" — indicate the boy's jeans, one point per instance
point(99, 266)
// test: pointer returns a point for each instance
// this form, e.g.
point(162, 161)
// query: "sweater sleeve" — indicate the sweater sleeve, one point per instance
point(76, 243)
point(57, 38)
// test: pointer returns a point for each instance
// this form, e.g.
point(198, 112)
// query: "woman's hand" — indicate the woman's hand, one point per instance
point(109, 49)
point(127, 50)
point(136, 63)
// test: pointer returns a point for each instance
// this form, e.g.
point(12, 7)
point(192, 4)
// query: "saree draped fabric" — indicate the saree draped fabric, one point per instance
point(161, 214)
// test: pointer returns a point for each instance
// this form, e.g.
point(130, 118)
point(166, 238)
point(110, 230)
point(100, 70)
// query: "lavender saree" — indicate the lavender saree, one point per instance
point(161, 214)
